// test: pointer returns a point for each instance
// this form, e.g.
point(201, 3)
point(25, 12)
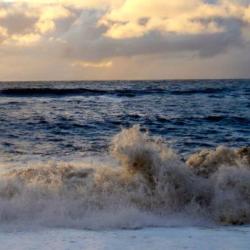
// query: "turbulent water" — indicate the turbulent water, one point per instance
point(125, 154)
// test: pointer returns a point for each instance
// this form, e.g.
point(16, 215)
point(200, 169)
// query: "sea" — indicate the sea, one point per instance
point(103, 164)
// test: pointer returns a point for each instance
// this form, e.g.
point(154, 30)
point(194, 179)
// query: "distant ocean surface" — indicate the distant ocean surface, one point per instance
point(85, 165)
point(67, 120)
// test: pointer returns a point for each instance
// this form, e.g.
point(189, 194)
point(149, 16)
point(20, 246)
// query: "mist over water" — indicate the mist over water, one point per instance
point(125, 154)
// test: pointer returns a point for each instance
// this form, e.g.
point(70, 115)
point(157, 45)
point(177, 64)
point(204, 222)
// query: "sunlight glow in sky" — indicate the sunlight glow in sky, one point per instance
point(124, 39)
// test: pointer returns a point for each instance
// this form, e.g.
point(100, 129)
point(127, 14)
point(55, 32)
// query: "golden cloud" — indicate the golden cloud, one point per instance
point(88, 64)
point(23, 40)
point(179, 16)
point(135, 18)
point(3, 32)
point(48, 15)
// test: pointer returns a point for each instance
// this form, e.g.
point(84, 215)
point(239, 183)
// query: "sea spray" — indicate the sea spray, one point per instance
point(143, 184)
point(207, 162)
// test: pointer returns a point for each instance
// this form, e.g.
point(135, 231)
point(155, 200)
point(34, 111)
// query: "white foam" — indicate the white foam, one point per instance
point(143, 183)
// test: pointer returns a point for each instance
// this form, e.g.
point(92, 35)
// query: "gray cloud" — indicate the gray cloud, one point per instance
point(17, 23)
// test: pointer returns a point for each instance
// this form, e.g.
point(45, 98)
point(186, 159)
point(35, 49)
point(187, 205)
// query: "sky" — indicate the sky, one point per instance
point(124, 39)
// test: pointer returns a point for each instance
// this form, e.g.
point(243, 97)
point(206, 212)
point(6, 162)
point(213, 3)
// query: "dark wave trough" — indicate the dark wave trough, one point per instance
point(25, 92)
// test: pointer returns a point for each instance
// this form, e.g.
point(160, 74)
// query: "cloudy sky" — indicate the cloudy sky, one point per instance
point(124, 39)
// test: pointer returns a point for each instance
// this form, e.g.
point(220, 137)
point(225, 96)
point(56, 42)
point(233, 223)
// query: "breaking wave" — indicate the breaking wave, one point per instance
point(144, 183)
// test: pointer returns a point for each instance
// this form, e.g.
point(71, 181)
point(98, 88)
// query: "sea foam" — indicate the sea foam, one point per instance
point(144, 183)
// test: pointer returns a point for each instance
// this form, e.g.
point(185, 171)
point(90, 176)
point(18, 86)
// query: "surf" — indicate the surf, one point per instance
point(143, 183)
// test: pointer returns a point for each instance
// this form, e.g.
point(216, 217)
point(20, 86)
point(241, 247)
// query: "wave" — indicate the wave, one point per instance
point(25, 92)
point(223, 119)
point(198, 91)
point(144, 183)
point(228, 119)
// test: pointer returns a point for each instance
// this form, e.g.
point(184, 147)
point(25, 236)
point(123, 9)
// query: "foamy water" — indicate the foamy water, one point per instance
point(153, 239)
point(143, 184)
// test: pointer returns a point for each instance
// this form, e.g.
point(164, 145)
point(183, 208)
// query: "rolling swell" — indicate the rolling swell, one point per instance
point(198, 91)
point(39, 92)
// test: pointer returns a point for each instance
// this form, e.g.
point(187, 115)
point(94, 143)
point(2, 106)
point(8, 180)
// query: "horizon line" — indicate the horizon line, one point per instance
point(126, 80)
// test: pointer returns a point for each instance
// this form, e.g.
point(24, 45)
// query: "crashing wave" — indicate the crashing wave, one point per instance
point(208, 162)
point(145, 183)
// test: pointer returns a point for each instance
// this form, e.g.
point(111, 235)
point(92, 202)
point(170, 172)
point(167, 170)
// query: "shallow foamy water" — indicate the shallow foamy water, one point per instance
point(230, 238)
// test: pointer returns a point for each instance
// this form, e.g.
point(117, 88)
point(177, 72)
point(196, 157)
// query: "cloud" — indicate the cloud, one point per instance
point(17, 23)
point(23, 40)
point(86, 39)
point(86, 64)
point(48, 17)
point(3, 34)
point(91, 36)
point(179, 17)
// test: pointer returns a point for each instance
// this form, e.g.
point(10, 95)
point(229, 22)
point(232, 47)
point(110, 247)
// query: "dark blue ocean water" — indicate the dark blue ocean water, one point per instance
point(69, 120)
